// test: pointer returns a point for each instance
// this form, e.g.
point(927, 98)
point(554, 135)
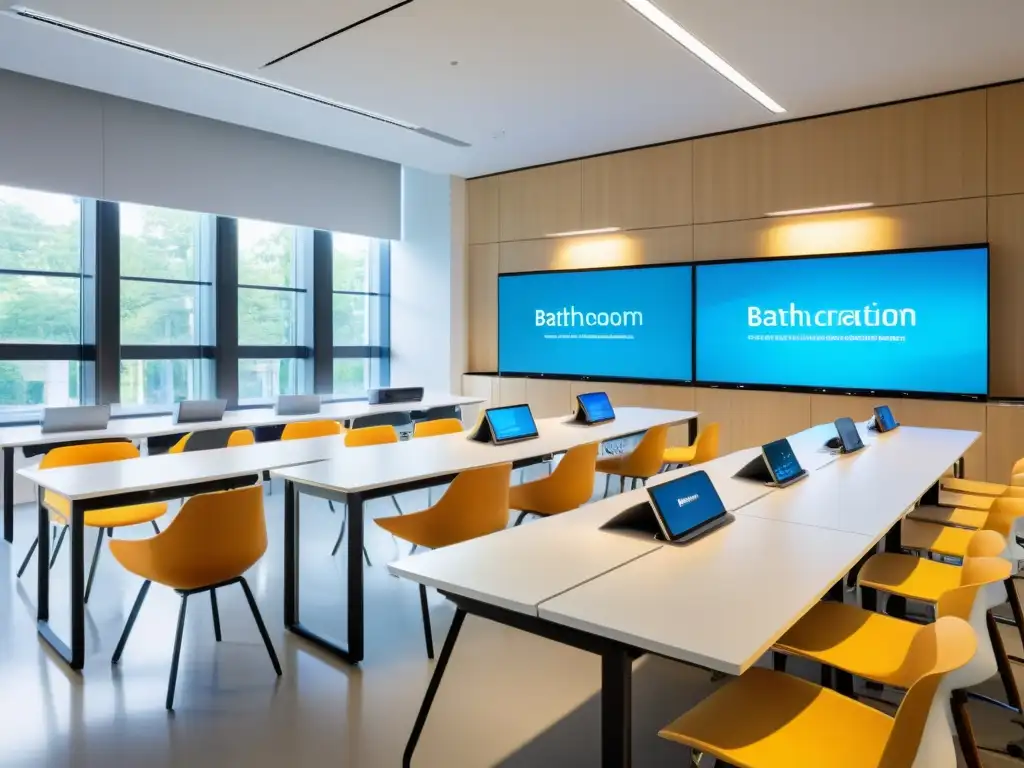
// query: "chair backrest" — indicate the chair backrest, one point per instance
point(571, 485)
point(707, 444)
point(436, 427)
point(210, 439)
point(475, 504)
point(1004, 517)
point(394, 419)
point(646, 459)
point(440, 412)
point(378, 435)
point(88, 453)
point(300, 430)
point(921, 734)
point(1018, 468)
point(213, 538)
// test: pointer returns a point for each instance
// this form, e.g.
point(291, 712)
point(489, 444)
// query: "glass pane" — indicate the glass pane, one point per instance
point(39, 382)
point(160, 382)
point(40, 231)
point(353, 315)
point(351, 377)
point(266, 379)
point(40, 310)
point(352, 255)
point(159, 313)
point(159, 242)
point(266, 253)
point(266, 317)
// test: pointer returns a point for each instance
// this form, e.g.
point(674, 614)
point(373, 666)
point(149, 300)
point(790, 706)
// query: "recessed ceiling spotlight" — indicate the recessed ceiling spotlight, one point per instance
point(671, 27)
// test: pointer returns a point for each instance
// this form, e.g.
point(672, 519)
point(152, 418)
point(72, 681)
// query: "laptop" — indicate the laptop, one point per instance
point(297, 405)
point(884, 420)
point(777, 465)
point(75, 419)
point(594, 408)
point(849, 437)
point(510, 424)
point(188, 411)
point(687, 507)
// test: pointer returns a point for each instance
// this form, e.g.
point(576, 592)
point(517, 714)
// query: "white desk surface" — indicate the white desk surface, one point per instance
point(382, 466)
point(152, 426)
point(719, 602)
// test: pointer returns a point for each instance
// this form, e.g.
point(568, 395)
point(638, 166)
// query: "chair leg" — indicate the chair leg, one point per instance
point(155, 526)
point(341, 533)
point(95, 560)
point(607, 483)
point(1003, 662)
point(28, 556)
point(177, 652)
point(366, 556)
point(56, 549)
point(216, 614)
point(131, 622)
point(964, 730)
point(1015, 607)
point(261, 626)
point(622, 484)
point(395, 502)
point(520, 518)
point(427, 634)
point(330, 505)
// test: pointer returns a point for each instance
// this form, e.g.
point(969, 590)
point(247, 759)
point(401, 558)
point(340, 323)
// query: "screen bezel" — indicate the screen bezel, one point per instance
point(577, 377)
point(971, 397)
point(771, 467)
point(586, 413)
point(669, 536)
point(517, 438)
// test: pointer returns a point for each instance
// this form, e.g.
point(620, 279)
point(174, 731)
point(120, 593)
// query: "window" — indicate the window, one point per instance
point(166, 304)
point(361, 309)
point(266, 379)
point(40, 299)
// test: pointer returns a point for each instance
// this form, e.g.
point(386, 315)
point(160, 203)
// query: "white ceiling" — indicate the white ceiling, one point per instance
point(537, 80)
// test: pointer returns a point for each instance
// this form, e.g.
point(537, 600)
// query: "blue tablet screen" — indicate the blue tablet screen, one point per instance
point(512, 423)
point(597, 406)
point(686, 503)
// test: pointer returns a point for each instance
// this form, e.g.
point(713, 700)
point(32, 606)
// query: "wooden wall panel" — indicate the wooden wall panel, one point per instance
point(540, 201)
point(750, 418)
point(641, 189)
point(482, 307)
point(643, 395)
point(1006, 139)
point(645, 246)
point(826, 408)
point(1005, 439)
point(478, 386)
point(908, 226)
point(511, 391)
point(549, 397)
point(482, 203)
point(920, 151)
point(1006, 298)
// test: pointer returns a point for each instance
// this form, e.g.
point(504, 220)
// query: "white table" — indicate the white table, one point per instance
point(142, 428)
point(359, 475)
point(719, 602)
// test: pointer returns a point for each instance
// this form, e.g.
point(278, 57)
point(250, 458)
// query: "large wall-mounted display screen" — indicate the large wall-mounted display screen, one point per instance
point(632, 323)
point(909, 321)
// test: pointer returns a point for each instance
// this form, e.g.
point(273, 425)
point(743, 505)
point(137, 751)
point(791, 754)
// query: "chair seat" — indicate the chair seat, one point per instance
point(965, 500)
point(611, 465)
point(767, 719)
point(531, 497)
point(972, 487)
point(115, 517)
point(864, 643)
point(138, 557)
point(931, 537)
point(909, 576)
point(681, 454)
point(957, 517)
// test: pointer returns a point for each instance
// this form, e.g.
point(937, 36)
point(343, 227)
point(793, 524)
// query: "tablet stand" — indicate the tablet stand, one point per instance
point(756, 469)
point(640, 518)
point(482, 433)
point(579, 417)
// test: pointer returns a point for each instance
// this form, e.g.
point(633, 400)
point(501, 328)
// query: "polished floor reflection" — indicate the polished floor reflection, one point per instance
point(509, 699)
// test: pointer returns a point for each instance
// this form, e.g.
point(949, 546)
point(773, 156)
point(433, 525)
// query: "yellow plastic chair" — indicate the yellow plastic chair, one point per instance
point(571, 485)
point(982, 488)
point(767, 719)
point(104, 520)
point(213, 540)
point(236, 438)
point(475, 504)
point(944, 538)
point(704, 448)
point(383, 434)
point(643, 462)
point(302, 430)
point(975, 519)
point(436, 428)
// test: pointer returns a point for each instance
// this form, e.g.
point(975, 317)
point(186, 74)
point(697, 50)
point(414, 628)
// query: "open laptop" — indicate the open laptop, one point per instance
point(510, 424)
point(884, 420)
point(777, 465)
point(594, 408)
point(75, 419)
point(189, 411)
point(297, 405)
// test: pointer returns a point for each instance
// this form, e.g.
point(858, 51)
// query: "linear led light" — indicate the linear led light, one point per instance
point(71, 26)
point(670, 27)
point(821, 209)
point(599, 231)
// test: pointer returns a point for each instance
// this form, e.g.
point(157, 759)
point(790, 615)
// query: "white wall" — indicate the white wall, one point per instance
point(421, 284)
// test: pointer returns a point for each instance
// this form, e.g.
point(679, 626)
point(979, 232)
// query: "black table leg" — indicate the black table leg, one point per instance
point(895, 605)
point(355, 577)
point(9, 495)
point(693, 430)
point(75, 654)
point(616, 709)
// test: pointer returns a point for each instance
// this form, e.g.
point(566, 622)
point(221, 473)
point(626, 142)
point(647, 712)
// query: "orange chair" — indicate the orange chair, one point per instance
point(642, 463)
point(104, 520)
point(570, 486)
point(214, 438)
point(436, 428)
point(475, 504)
point(213, 540)
point(704, 448)
point(302, 430)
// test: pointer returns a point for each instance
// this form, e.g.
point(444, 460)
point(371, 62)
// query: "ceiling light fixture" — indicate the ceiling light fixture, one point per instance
point(821, 209)
point(574, 233)
point(670, 27)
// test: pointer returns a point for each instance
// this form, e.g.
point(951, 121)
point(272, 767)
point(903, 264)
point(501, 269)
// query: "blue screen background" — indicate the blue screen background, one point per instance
point(946, 352)
point(784, 462)
point(677, 518)
point(508, 423)
point(599, 407)
point(660, 349)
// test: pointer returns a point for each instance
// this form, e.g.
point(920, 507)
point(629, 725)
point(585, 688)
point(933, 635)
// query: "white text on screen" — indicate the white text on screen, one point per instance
point(795, 317)
point(572, 317)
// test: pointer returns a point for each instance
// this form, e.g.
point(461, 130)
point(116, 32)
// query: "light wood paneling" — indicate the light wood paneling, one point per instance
point(511, 391)
point(906, 226)
point(618, 249)
point(645, 396)
point(749, 418)
point(483, 213)
point(1006, 298)
point(1006, 139)
point(644, 188)
point(540, 201)
point(825, 408)
point(478, 386)
point(548, 397)
point(482, 307)
point(920, 151)
point(1005, 439)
